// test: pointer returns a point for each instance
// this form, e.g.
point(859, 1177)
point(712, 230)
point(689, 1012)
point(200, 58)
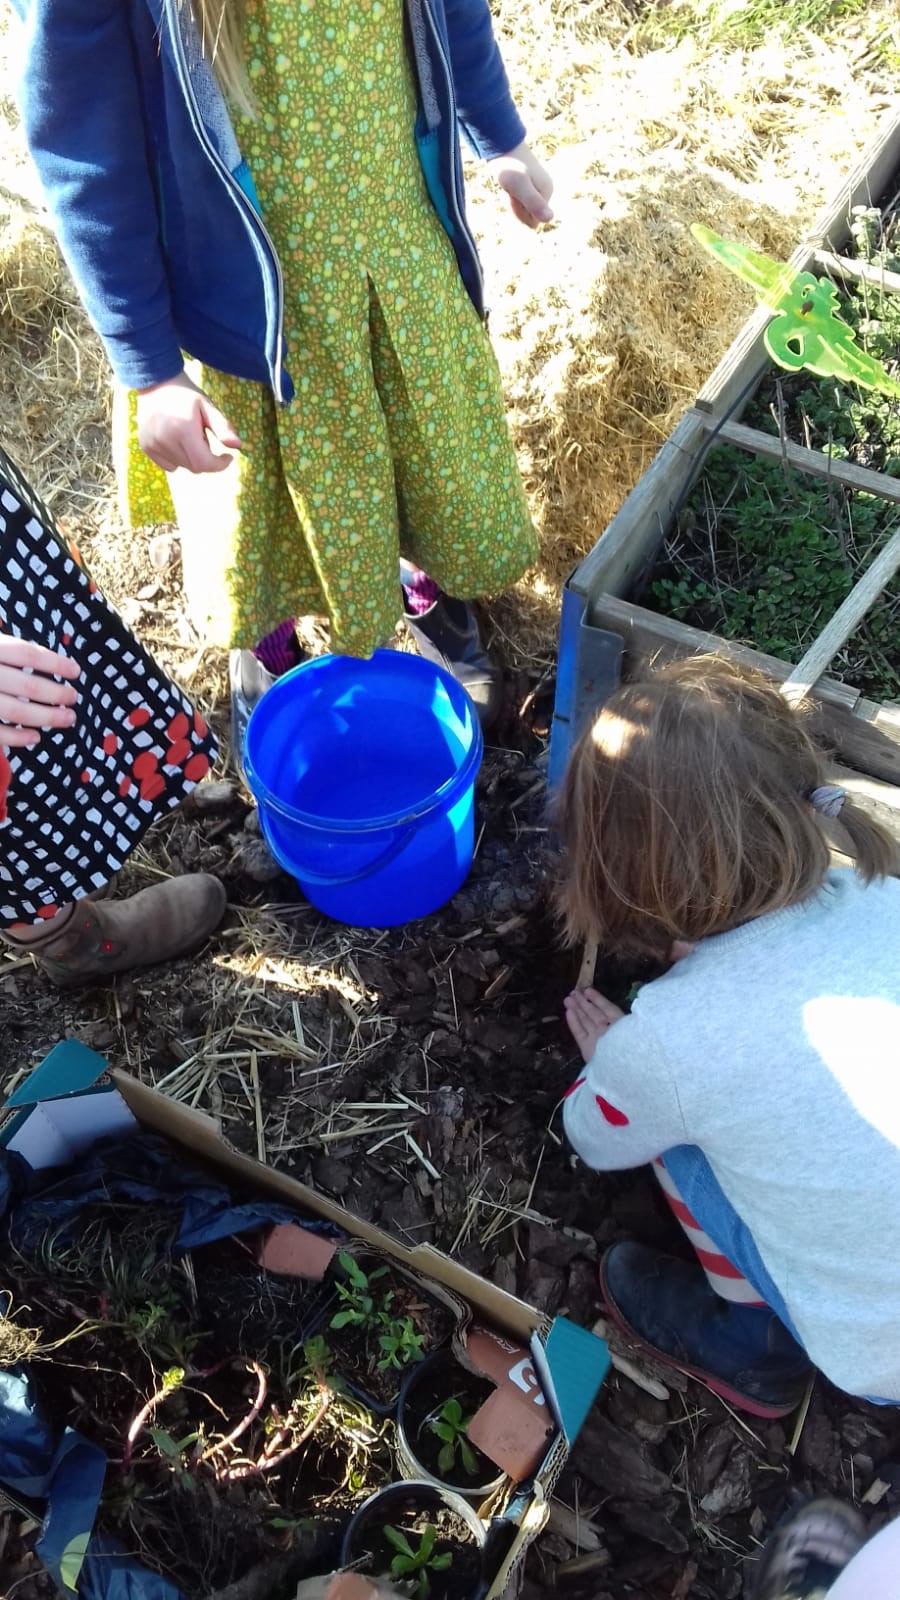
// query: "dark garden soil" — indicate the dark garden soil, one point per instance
point(459, 1581)
point(422, 1409)
point(416, 1076)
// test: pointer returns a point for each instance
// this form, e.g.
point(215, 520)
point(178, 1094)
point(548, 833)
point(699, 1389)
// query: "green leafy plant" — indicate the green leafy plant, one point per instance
point(410, 1563)
point(400, 1344)
point(397, 1338)
point(361, 1308)
point(451, 1427)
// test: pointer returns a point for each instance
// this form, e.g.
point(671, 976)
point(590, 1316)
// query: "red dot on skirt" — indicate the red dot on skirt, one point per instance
point(124, 786)
point(144, 765)
point(86, 776)
point(139, 716)
point(110, 744)
point(197, 767)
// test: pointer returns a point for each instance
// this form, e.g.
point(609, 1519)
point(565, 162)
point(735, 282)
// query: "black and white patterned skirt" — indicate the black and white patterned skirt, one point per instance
point(73, 807)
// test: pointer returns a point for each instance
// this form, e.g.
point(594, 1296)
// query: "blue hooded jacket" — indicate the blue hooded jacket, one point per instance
point(155, 208)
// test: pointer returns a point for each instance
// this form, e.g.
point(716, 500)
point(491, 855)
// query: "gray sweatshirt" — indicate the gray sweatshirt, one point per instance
point(776, 1050)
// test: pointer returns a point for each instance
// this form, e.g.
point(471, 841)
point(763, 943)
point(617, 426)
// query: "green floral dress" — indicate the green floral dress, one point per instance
point(396, 441)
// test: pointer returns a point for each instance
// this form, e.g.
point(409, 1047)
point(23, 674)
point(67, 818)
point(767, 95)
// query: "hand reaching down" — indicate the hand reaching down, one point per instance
point(175, 421)
point(589, 1015)
point(528, 184)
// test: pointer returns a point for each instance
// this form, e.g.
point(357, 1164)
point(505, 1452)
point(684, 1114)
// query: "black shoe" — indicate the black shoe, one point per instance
point(249, 682)
point(448, 634)
point(742, 1353)
point(806, 1555)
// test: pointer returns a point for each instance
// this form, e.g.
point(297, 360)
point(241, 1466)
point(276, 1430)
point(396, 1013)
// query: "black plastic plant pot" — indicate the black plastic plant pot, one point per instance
point(355, 1351)
point(429, 1389)
point(408, 1509)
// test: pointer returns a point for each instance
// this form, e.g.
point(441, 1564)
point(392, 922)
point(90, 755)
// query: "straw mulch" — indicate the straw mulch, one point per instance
point(605, 323)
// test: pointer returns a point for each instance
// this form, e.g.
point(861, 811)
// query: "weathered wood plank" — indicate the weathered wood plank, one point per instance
point(814, 462)
point(861, 734)
point(845, 621)
point(654, 636)
point(857, 271)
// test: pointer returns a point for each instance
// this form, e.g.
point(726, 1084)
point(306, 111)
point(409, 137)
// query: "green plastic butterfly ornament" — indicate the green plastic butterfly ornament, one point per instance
point(807, 330)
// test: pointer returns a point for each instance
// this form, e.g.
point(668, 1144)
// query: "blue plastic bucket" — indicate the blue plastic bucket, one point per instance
point(364, 773)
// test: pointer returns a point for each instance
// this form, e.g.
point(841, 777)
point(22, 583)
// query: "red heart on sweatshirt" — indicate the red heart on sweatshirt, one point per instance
point(612, 1113)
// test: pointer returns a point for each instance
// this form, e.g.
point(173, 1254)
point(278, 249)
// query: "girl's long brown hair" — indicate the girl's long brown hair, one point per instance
point(685, 811)
point(221, 25)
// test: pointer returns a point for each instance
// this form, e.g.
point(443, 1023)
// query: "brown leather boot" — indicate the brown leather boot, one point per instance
point(98, 939)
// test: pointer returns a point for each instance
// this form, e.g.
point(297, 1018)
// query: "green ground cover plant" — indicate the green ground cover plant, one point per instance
point(766, 554)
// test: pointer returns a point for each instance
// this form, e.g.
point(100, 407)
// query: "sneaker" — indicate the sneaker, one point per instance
point(668, 1306)
point(806, 1555)
point(447, 634)
point(249, 682)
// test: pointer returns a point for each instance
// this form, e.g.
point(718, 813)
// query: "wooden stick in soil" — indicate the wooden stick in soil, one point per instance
point(847, 617)
point(588, 964)
point(858, 271)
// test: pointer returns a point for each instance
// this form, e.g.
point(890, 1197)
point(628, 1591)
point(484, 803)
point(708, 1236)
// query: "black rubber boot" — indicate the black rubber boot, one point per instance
point(249, 682)
point(806, 1555)
point(668, 1306)
point(448, 634)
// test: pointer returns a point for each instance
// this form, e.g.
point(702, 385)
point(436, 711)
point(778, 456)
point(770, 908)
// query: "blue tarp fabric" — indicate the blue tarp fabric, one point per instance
point(67, 1474)
point(144, 1169)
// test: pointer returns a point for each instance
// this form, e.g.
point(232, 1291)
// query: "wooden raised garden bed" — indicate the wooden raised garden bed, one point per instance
point(761, 511)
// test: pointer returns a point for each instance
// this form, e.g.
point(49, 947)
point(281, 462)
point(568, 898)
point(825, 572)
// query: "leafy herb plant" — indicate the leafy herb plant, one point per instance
point(397, 1339)
point(410, 1563)
point(451, 1428)
point(361, 1309)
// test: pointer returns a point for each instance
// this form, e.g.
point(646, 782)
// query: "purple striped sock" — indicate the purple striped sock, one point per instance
point(420, 591)
point(279, 651)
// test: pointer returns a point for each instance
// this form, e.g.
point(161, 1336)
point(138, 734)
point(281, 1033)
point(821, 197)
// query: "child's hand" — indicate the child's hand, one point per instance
point(29, 699)
point(528, 184)
point(173, 420)
point(589, 1014)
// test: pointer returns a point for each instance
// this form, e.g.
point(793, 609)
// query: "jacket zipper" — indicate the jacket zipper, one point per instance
point(252, 214)
point(459, 216)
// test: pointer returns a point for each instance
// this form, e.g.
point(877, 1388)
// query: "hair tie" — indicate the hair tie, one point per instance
point(827, 799)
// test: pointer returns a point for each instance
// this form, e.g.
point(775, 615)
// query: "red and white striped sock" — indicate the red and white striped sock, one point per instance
point(723, 1277)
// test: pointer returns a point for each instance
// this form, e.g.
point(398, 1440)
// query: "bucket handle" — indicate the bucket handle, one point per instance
point(324, 880)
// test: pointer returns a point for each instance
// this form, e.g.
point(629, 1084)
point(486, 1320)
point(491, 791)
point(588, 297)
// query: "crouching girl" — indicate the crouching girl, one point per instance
point(761, 1073)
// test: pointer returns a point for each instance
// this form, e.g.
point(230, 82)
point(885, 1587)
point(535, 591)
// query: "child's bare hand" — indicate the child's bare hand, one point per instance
point(527, 182)
point(173, 421)
point(589, 1014)
point(29, 699)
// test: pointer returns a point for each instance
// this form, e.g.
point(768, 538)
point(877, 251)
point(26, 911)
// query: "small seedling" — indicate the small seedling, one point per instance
point(451, 1426)
point(400, 1344)
point(410, 1563)
point(361, 1308)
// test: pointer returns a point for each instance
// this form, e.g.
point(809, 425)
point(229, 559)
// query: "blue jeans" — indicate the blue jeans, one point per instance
point(702, 1194)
